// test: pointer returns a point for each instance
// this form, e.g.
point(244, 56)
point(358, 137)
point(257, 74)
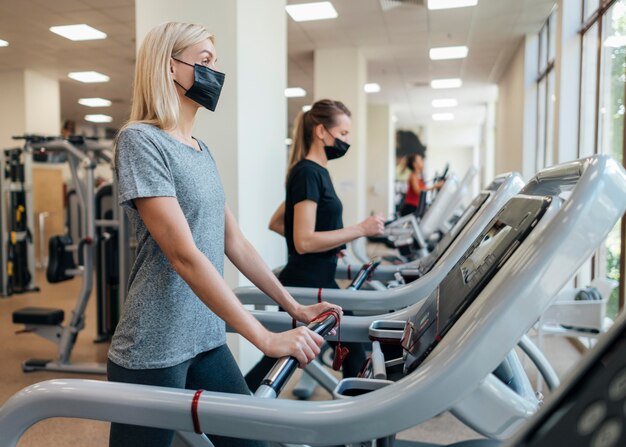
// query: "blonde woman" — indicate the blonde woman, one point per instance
point(172, 330)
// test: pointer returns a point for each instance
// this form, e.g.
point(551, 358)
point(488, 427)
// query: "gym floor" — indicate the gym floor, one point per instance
point(443, 429)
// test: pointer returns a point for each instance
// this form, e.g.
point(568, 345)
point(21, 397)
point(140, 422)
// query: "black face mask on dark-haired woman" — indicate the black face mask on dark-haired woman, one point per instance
point(337, 150)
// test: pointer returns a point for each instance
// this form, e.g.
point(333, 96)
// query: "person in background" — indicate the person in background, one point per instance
point(416, 184)
point(311, 219)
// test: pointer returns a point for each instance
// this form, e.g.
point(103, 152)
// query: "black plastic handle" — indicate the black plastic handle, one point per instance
point(365, 272)
point(284, 367)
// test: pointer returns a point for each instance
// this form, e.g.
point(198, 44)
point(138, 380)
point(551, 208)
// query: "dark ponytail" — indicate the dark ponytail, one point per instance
point(322, 112)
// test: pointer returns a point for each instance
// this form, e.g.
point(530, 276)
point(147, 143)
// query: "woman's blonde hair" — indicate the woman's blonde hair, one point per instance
point(322, 112)
point(155, 100)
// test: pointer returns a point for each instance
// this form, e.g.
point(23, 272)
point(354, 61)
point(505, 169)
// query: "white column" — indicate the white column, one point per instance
point(247, 131)
point(567, 88)
point(30, 104)
point(340, 74)
point(380, 160)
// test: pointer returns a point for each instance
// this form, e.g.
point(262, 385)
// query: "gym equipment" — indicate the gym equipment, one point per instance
point(16, 220)
point(379, 301)
point(500, 189)
point(46, 322)
point(436, 221)
point(590, 407)
point(512, 288)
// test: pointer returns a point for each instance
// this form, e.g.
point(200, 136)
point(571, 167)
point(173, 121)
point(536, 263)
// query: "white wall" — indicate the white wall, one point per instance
point(510, 116)
point(30, 104)
point(458, 145)
point(380, 160)
point(340, 74)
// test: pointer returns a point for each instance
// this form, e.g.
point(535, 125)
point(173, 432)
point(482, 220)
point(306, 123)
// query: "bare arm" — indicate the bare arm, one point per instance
point(167, 225)
point(417, 188)
point(248, 261)
point(277, 221)
point(307, 240)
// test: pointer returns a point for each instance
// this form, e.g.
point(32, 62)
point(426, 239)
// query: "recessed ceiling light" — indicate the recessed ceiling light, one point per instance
point(307, 108)
point(88, 76)
point(442, 53)
point(98, 118)
point(305, 12)
point(372, 87)
point(295, 92)
point(447, 4)
point(440, 103)
point(4, 43)
point(94, 102)
point(615, 41)
point(78, 32)
point(443, 116)
point(288, 141)
point(446, 83)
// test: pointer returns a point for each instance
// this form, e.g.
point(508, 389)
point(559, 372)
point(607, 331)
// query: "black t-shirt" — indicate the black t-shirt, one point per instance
point(310, 181)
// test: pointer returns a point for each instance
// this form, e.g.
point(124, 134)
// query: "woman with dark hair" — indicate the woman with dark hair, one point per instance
point(416, 185)
point(310, 218)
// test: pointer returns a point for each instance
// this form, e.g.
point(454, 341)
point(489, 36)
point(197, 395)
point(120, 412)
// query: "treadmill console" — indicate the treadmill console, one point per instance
point(469, 276)
point(427, 263)
point(590, 409)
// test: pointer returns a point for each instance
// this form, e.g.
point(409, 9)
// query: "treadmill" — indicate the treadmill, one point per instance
point(431, 273)
point(451, 342)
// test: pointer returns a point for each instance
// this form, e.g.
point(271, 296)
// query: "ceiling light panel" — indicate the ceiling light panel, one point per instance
point(98, 118)
point(305, 12)
point(448, 4)
point(295, 92)
point(447, 102)
point(94, 102)
point(444, 53)
point(78, 32)
point(88, 76)
point(443, 116)
point(372, 87)
point(4, 43)
point(446, 83)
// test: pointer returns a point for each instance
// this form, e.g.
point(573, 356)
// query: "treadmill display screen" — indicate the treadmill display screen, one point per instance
point(496, 243)
point(490, 240)
point(429, 261)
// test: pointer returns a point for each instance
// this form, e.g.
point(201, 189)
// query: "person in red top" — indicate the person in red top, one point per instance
point(415, 162)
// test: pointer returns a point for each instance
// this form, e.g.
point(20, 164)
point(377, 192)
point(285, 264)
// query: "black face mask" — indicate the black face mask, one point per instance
point(337, 150)
point(207, 85)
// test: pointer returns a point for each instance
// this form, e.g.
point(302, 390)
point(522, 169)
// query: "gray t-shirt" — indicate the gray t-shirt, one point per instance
point(163, 322)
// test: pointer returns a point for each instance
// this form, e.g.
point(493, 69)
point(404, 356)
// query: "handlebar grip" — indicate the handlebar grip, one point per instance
point(363, 275)
point(284, 367)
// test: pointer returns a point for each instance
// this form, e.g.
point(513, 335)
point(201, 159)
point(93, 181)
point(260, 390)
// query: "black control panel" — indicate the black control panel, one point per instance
point(469, 276)
point(590, 408)
point(427, 263)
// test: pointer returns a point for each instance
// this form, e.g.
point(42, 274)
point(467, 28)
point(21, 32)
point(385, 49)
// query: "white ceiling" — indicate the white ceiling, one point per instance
point(395, 43)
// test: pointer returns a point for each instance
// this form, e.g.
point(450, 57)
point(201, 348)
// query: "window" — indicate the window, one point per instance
point(546, 93)
point(603, 87)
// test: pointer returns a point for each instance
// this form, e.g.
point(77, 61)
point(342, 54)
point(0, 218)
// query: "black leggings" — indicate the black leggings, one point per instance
point(214, 370)
point(351, 365)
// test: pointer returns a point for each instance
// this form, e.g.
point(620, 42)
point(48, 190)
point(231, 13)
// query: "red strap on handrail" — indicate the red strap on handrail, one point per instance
point(194, 412)
point(341, 352)
point(319, 295)
point(349, 271)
